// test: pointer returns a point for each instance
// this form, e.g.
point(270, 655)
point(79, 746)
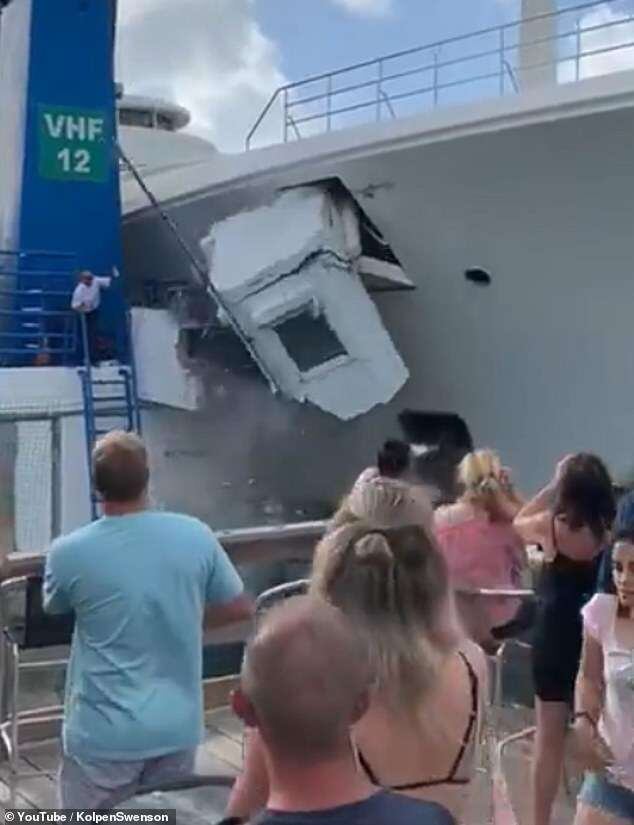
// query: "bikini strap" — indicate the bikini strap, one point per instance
point(473, 716)
point(451, 776)
point(367, 769)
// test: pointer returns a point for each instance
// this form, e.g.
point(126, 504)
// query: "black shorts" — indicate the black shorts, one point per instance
point(557, 651)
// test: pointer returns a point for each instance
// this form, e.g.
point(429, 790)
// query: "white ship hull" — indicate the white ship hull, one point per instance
point(535, 189)
point(538, 190)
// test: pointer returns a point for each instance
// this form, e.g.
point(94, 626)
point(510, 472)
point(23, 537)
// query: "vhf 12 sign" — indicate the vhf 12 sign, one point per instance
point(74, 144)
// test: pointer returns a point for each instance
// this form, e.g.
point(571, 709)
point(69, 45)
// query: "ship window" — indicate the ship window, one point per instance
point(136, 117)
point(164, 122)
point(309, 340)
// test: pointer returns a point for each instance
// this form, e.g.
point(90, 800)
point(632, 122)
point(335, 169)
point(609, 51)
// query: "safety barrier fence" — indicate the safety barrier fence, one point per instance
point(565, 46)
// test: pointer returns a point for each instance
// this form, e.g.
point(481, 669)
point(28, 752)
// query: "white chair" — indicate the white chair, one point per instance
point(278, 593)
point(496, 659)
point(30, 631)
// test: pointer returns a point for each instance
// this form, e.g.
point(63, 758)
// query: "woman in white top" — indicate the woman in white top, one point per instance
point(604, 729)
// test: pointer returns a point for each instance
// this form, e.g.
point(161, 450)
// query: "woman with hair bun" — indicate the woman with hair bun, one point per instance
point(386, 572)
point(480, 544)
point(420, 734)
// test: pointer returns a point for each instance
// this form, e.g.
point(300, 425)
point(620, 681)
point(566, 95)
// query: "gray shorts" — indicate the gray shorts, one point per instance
point(98, 784)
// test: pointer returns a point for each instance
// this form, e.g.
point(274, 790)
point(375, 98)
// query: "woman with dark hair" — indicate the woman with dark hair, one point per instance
point(394, 458)
point(604, 728)
point(571, 520)
point(624, 521)
point(393, 462)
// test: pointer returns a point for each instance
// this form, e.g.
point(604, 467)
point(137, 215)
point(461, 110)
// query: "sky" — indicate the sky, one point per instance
point(222, 59)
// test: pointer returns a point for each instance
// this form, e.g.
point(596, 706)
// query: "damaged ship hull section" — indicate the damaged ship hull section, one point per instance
point(291, 274)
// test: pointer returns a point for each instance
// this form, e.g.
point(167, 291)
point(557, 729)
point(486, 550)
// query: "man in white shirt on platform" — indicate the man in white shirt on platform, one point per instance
point(86, 299)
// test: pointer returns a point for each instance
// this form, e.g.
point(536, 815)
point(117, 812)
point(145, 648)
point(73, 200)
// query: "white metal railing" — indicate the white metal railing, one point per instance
point(566, 45)
point(250, 545)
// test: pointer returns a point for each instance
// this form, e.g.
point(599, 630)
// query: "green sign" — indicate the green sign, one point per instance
point(74, 144)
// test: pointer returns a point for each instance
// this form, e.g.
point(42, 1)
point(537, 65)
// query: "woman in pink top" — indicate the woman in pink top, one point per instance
point(481, 547)
point(605, 697)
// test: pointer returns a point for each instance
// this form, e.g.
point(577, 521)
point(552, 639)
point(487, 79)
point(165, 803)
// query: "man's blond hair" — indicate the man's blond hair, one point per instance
point(120, 467)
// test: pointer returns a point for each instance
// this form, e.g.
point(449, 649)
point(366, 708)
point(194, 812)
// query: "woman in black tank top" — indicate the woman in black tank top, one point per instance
point(565, 587)
point(570, 518)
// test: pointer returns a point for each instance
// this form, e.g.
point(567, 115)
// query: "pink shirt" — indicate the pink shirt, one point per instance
point(617, 719)
point(481, 554)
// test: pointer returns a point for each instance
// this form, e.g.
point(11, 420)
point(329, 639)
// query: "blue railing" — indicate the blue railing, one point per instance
point(567, 45)
point(37, 325)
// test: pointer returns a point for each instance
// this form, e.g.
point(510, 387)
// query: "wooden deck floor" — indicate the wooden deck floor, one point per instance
point(221, 753)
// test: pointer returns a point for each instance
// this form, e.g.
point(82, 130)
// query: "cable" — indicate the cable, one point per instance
point(203, 276)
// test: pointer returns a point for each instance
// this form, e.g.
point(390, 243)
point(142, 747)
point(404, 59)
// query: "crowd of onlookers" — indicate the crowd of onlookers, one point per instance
point(364, 699)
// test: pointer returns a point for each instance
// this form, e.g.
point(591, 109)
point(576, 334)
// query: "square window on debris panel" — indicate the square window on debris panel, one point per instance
point(309, 340)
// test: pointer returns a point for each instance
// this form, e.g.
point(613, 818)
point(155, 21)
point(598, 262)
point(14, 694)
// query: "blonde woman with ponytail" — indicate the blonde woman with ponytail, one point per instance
point(420, 734)
point(480, 544)
point(388, 575)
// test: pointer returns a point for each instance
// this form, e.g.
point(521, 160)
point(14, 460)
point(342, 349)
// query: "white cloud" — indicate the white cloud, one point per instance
point(207, 55)
point(611, 38)
point(369, 8)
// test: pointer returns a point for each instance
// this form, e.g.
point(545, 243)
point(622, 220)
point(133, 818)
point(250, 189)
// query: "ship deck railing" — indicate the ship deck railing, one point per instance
point(505, 760)
point(580, 41)
point(247, 548)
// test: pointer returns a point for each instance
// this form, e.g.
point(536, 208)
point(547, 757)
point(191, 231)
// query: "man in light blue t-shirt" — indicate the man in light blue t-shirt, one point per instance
point(142, 585)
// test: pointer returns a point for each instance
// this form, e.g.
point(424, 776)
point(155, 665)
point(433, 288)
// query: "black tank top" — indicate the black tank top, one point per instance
point(567, 582)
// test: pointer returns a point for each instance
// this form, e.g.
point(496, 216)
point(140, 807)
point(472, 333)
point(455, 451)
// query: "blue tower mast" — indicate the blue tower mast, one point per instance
point(60, 209)
point(59, 182)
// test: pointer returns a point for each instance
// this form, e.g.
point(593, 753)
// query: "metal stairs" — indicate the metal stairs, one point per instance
point(31, 333)
point(110, 402)
point(37, 326)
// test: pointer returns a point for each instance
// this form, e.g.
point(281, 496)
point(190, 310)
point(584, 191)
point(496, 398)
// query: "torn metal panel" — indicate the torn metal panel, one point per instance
point(248, 250)
point(162, 375)
point(290, 273)
point(383, 276)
